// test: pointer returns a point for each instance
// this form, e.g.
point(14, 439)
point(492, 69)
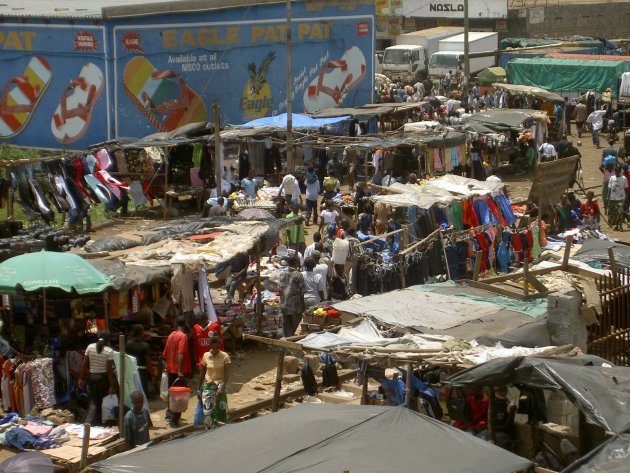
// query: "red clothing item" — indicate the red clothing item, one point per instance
point(591, 209)
point(479, 412)
point(627, 174)
point(201, 339)
point(176, 343)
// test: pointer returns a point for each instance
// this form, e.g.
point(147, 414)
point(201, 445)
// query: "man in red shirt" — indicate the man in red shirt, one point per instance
point(177, 356)
point(202, 333)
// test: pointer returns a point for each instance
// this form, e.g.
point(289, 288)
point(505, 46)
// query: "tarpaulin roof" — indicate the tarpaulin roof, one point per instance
point(125, 277)
point(596, 251)
point(600, 391)
point(368, 110)
point(510, 117)
point(567, 75)
point(324, 439)
point(491, 74)
point(612, 456)
point(299, 121)
point(535, 92)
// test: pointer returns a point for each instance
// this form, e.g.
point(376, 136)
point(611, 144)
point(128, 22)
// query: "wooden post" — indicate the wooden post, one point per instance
point(85, 446)
point(278, 386)
point(364, 390)
point(165, 210)
point(526, 276)
point(567, 252)
point(10, 213)
point(491, 414)
point(478, 256)
point(106, 309)
point(121, 384)
point(259, 308)
point(408, 387)
point(613, 267)
point(218, 172)
point(448, 271)
point(365, 166)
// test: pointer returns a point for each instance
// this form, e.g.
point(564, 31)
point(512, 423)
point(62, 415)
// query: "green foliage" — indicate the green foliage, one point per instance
point(12, 152)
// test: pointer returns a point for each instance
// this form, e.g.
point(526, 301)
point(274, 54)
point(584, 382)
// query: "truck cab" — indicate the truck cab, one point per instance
point(405, 62)
point(444, 61)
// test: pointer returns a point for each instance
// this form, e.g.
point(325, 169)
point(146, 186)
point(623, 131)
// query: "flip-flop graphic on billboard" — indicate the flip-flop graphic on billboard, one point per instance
point(73, 115)
point(336, 78)
point(162, 96)
point(21, 95)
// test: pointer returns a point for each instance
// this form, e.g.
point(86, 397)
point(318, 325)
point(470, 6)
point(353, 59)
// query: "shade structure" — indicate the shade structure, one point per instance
point(324, 439)
point(299, 121)
point(50, 270)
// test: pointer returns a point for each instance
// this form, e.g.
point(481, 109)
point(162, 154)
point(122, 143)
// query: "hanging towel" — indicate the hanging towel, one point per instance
point(205, 299)
point(437, 160)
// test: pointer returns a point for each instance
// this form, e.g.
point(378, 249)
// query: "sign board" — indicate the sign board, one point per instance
point(455, 9)
point(55, 80)
point(536, 15)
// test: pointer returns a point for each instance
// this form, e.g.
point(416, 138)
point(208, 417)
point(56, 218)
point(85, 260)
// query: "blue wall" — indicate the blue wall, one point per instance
point(163, 71)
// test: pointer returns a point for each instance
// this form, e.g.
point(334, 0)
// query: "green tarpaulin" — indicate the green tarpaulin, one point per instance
point(567, 75)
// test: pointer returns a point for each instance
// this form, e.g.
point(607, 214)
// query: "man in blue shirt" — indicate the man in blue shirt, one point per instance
point(248, 184)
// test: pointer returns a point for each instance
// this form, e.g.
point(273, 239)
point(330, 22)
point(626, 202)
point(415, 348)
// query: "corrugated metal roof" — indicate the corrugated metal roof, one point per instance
point(110, 8)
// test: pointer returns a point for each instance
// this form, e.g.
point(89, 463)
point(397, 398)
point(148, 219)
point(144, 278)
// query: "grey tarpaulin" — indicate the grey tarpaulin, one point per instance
point(124, 277)
point(612, 456)
point(531, 335)
point(600, 391)
point(510, 117)
point(324, 439)
point(596, 251)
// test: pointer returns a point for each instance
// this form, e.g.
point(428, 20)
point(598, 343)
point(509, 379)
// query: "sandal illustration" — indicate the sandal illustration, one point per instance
point(335, 80)
point(73, 115)
point(163, 97)
point(21, 94)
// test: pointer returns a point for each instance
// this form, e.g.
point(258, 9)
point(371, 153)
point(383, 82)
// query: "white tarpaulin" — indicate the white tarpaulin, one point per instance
point(412, 308)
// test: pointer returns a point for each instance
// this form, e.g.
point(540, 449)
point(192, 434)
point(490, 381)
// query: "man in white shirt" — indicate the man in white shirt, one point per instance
point(329, 216)
point(547, 151)
point(322, 269)
point(314, 284)
point(317, 238)
point(597, 122)
point(617, 186)
point(290, 189)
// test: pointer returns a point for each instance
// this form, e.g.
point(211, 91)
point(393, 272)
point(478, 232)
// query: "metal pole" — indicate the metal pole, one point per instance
point(218, 172)
point(121, 384)
point(466, 50)
point(290, 163)
point(259, 307)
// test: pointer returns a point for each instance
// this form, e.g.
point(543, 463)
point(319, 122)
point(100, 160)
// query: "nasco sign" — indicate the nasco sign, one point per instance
point(455, 9)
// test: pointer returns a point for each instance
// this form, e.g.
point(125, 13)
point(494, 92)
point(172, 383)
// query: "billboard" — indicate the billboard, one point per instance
point(54, 85)
point(169, 74)
point(455, 9)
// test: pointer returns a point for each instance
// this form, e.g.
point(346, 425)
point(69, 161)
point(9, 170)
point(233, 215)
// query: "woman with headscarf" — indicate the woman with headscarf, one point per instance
point(97, 371)
point(215, 367)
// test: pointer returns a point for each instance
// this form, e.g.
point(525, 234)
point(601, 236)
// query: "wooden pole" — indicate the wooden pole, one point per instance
point(448, 271)
point(218, 172)
point(85, 446)
point(364, 390)
point(526, 276)
point(419, 243)
point(408, 387)
point(259, 308)
point(478, 256)
point(384, 235)
point(613, 267)
point(165, 210)
point(276, 391)
point(567, 252)
point(121, 384)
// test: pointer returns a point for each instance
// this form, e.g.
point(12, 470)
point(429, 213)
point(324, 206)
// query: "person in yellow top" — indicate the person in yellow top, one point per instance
point(215, 367)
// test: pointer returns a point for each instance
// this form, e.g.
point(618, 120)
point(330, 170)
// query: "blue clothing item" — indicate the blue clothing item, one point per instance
point(506, 210)
point(249, 187)
point(8, 418)
point(212, 201)
point(610, 159)
point(440, 215)
point(394, 390)
point(483, 212)
point(20, 439)
point(136, 427)
point(503, 258)
point(312, 190)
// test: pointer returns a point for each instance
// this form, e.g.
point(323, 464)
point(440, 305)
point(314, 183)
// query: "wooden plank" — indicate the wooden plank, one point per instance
point(540, 287)
point(274, 342)
point(511, 276)
point(552, 179)
point(478, 256)
point(567, 252)
point(497, 290)
point(537, 295)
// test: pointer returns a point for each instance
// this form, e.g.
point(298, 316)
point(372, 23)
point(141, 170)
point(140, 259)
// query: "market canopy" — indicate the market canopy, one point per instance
point(368, 110)
point(600, 391)
point(51, 270)
point(507, 117)
point(612, 456)
point(324, 439)
point(298, 121)
point(535, 92)
point(125, 277)
point(490, 75)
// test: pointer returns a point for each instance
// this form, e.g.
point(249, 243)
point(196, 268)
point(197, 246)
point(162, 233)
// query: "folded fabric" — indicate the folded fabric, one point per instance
point(8, 418)
point(20, 439)
point(58, 435)
point(37, 429)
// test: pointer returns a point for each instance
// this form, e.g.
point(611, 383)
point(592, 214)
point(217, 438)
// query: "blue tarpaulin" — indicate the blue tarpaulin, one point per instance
point(299, 121)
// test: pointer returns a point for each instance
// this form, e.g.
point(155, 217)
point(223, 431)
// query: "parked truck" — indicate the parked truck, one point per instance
point(408, 59)
point(451, 53)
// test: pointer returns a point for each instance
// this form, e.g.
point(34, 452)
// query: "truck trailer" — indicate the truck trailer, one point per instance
point(451, 53)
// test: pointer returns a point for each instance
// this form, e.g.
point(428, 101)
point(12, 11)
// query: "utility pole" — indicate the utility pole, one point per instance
point(218, 172)
point(466, 52)
point(290, 163)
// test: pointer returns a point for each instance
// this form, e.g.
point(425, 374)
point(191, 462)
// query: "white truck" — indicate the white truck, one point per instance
point(451, 53)
point(408, 59)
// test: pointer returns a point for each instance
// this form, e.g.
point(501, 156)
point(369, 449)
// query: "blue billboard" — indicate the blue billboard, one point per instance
point(167, 74)
point(54, 85)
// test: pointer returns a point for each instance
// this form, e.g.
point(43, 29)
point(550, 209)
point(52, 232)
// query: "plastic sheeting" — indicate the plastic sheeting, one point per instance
point(298, 121)
point(612, 456)
point(123, 277)
point(596, 251)
point(324, 439)
point(599, 390)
